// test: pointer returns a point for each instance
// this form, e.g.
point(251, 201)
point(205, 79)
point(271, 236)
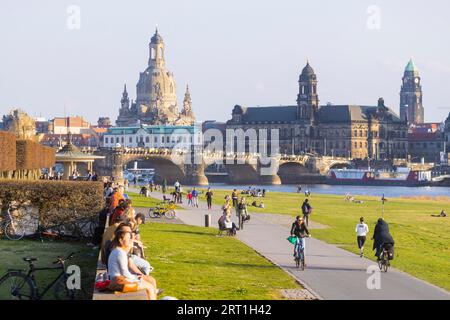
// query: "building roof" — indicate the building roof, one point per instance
point(326, 114)
point(151, 129)
point(347, 113)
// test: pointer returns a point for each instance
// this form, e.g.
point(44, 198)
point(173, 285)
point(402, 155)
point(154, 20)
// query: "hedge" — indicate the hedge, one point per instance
point(57, 201)
point(31, 155)
point(7, 151)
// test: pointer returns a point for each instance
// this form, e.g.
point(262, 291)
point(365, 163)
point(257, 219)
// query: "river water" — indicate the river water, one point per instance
point(393, 192)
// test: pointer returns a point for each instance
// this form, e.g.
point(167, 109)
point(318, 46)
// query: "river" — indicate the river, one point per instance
point(393, 192)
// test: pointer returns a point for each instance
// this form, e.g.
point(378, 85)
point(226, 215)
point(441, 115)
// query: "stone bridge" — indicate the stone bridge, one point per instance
point(242, 168)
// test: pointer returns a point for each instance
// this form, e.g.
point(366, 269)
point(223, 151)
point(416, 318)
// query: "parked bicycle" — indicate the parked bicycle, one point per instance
point(11, 224)
point(18, 285)
point(164, 209)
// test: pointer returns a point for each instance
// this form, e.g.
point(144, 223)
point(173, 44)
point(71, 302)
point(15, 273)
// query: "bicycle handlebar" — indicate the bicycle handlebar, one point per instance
point(62, 260)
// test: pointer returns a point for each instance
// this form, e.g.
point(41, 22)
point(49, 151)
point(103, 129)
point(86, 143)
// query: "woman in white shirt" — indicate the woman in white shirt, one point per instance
point(118, 264)
point(361, 232)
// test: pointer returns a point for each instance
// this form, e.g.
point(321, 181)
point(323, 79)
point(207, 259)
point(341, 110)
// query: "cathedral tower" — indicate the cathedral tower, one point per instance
point(411, 108)
point(307, 99)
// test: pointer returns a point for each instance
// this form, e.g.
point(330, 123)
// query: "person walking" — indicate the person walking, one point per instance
point(194, 197)
point(164, 186)
point(189, 197)
point(235, 198)
point(209, 195)
point(306, 210)
point(242, 213)
point(361, 232)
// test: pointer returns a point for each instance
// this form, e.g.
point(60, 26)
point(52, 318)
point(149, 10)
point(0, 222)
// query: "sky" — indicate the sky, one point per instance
point(56, 62)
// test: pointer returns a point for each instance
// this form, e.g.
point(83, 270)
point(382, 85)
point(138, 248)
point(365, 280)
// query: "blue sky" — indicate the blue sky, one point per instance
point(229, 52)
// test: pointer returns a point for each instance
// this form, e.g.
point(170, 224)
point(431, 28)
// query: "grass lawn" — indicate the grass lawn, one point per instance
point(139, 201)
point(422, 242)
point(47, 252)
point(193, 263)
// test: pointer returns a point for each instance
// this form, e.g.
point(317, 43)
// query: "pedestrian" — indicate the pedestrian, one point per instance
point(164, 186)
point(242, 213)
point(361, 232)
point(209, 195)
point(194, 194)
point(235, 198)
point(189, 197)
point(306, 210)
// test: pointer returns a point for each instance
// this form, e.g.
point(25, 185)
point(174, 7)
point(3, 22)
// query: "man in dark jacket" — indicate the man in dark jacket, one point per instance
point(306, 210)
point(381, 237)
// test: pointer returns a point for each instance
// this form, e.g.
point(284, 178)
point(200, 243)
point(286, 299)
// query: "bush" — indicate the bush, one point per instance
point(57, 201)
point(8, 151)
point(31, 155)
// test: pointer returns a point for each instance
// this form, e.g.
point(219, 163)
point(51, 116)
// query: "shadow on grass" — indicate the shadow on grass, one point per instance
point(228, 264)
point(188, 232)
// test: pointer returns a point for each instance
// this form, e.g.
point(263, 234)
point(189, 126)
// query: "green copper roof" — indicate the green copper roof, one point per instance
point(411, 66)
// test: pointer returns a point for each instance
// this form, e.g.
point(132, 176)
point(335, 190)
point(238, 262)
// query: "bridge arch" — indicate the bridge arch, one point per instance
point(164, 167)
point(292, 172)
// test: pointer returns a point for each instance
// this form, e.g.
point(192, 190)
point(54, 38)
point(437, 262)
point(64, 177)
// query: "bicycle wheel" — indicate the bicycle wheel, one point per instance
point(61, 292)
point(15, 285)
point(152, 213)
point(380, 262)
point(14, 230)
point(170, 214)
point(385, 265)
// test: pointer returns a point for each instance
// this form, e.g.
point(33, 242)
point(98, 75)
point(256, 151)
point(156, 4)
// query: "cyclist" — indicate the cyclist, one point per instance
point(382, 239)
point(300, 230)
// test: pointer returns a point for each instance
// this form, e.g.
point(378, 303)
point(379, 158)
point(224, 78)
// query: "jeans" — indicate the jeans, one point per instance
point(142, 264)
point(299, 244)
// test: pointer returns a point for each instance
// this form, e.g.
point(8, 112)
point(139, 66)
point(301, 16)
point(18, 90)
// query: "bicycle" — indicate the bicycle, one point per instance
point(163, 210)
point(13, 228)
point(383, 261)
point(299, 255)
point(16, 284)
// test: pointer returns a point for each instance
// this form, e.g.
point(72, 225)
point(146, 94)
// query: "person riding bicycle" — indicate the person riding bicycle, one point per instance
point(300, 230)
point(382, 239)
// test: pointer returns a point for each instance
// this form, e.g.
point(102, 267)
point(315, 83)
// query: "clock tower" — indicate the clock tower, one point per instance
point(307, 99)
point(411, 108)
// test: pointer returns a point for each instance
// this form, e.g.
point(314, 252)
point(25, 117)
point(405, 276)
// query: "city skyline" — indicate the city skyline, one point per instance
point(230, 62)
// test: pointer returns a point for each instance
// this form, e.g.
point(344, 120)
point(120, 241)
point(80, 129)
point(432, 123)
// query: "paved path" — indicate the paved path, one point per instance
point(331, 273)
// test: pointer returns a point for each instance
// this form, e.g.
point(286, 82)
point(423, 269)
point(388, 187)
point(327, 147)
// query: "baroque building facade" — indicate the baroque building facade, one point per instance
point(352, 131)
point(156, 98)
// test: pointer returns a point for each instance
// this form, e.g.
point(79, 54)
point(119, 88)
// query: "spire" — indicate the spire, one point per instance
point(411, 67)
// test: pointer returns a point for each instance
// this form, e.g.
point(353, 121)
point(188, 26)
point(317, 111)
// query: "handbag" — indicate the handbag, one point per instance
point(292, 239)
point(121, 284)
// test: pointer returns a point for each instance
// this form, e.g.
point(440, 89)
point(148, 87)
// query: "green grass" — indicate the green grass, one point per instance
point(193, 263)
point(422, 242)
point(47, 252)
point(139, 201)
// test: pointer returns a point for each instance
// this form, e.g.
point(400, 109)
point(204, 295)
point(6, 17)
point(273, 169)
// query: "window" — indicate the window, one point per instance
point(130, 139)
point(156, 139)
point(147, 139)
point(122, 140)
point(106, 140)
point(117, 139)
point(355, 133)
